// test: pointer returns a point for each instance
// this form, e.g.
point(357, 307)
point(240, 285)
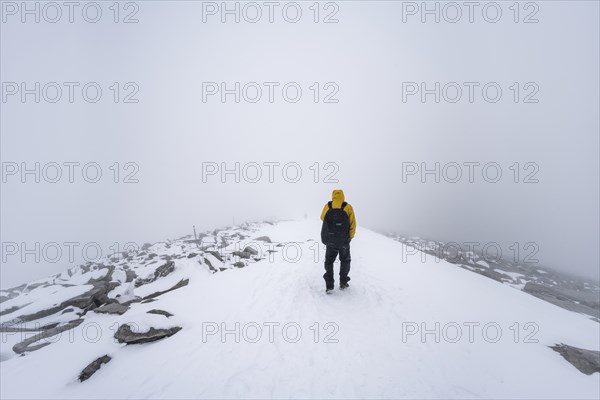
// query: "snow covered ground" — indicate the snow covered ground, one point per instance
point(573, 293)
point(265, 328)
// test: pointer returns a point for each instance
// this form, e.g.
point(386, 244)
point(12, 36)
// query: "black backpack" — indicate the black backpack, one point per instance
point(336, 227)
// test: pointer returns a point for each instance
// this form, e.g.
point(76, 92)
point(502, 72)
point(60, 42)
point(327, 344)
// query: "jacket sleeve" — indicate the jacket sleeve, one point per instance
point(324, 211)
point(352, 218)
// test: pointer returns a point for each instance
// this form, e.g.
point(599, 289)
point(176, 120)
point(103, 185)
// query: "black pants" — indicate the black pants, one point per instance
point(330, 255)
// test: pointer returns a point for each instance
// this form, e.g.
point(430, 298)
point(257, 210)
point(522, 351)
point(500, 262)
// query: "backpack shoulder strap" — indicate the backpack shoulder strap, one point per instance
point(344, 204)
point(329, 204)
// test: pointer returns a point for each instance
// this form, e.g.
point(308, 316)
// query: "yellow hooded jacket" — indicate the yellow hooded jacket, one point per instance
point(337, 198)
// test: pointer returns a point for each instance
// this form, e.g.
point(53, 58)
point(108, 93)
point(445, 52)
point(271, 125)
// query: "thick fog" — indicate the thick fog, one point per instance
point(518, 95)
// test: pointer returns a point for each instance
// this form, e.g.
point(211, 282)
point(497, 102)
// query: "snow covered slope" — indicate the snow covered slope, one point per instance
point(255, 323)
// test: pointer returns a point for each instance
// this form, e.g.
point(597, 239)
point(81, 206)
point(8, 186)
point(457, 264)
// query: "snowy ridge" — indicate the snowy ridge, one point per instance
point(242, 313)
point(569, 292)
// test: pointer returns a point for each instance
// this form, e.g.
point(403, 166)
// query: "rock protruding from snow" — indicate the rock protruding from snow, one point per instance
point(30, 344)
point(246, 253)
point(113, 308)
point(160, 312)
point(577, 301)
point(159, 272)
point(586, 361)
point(88, 300)
point(125, 335)
point(179, 284)
point(93, 367)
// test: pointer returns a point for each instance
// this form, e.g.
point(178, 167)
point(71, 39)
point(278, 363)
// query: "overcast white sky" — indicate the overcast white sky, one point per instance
point(367, 134)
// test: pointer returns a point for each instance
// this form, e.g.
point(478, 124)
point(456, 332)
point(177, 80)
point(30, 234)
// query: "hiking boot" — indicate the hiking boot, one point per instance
point(328, 290)
point(344, 285)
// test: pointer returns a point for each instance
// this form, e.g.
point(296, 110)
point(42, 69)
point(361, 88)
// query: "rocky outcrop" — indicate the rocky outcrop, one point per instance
point(13, 309)
point(246, 253)
point(490, 273)
point(89, 300)
point(19, 328)
point(563, 298)
point(125, 272)
point(180, 284)
point(159, 272)
point(216, 255)
point(93, 367)
point(130, 275)
point(209, 265)
point(251, 250)
point(113, 308)
point(30, 344)
point(125, 335)
point(161, 312)
point(586, 361)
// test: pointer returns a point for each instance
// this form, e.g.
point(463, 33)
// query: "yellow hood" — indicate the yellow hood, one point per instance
point(337, 196)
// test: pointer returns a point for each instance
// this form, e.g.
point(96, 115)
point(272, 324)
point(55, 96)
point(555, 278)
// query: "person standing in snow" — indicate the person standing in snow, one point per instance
point(339, 226)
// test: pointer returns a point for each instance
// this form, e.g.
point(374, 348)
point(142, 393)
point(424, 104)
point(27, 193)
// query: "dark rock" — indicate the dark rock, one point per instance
point(207, 262)
point(125, 335)
point(265, 239)
point(17, 327)
point(28, 344)
point(67, 310)
point(12, 309)
point(216, 255)
point(160, 272)
point(106, 278)
point(161, 312)
point(89, 300)
point(93, 367)
point(250, 250)
point(242, 254)
point(130, 275)
point(12, 293)
point(239, 264)
point(586, 361)
point(490, 273)
point(192, 255)
point(146, 246)
point(113, 308)
point(180, 284)
point(136, 299)
point(148, 301)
